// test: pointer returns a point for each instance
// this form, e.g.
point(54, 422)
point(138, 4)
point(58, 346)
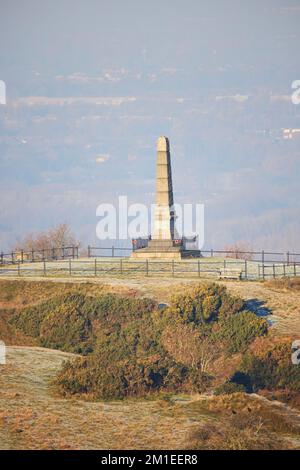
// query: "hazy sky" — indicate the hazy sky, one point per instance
point(92, 84)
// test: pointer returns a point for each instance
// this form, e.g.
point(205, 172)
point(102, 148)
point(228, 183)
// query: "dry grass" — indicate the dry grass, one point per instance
point(285, 284)
point(246, 422)
point(33, 417)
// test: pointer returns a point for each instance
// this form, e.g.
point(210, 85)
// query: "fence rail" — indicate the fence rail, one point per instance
point(201, 268)
point(31, 256)
point(259, 256)
point(101, 261)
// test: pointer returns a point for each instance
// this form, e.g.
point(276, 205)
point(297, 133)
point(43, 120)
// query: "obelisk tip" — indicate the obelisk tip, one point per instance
point(162, 144)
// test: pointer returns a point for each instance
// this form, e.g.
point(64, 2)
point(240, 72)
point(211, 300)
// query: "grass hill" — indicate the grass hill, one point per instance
point(193, 364)
point(32, 416)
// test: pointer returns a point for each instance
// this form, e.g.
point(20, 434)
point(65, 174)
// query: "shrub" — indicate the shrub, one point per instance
point(272, 369)
point(66, 328)
point(107, 380)
point(239, 330)
point(29, 319)
point(71, 322)
point(204, 304)
point(137, 350)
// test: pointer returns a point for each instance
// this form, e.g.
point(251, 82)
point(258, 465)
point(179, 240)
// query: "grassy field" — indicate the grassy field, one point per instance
point(33, 417)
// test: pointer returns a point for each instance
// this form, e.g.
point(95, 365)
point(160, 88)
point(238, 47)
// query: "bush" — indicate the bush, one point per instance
point(205, 304)
point(132, 348)
point(272, 369)
point(238, 331)
point(66, 328)
point(30, 318)
point(137, 350)
point(115, 380)
point(72, 322)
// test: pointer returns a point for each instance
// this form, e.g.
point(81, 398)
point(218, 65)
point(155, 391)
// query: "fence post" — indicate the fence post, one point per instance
point(63, 251)
point(32, 255)
point(70, 267)
point(288, 258)
point(224, 264)
point(95, 267)
point(89, 251)
point(45, 267)
point(53, 252)
point(121, 266)
point(22, 256)
point(173, 266)
point(263, 263)
point(274, 274)
point(246, 270)
point(77, 252)
point(19, 273)
point(258, 271)
point(198, 267)
point(211, 252)
point(147, 268)
point(283, 270)
point(295, 274)
point(2, 257)
point(113, 251)
point(12, 257)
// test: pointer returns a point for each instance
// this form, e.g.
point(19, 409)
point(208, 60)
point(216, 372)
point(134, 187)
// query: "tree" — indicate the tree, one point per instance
point(239, 250)
point(186, 345)
point(56, 237)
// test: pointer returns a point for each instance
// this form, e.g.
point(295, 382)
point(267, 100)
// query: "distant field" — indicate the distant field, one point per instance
point(207, 267)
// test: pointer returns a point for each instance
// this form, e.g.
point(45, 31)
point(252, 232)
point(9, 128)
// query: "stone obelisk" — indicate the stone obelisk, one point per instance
point(164, 216)
point(164, 242)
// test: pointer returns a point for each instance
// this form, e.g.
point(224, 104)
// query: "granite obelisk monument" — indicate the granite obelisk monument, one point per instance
point(164, 217)
point(164, 242)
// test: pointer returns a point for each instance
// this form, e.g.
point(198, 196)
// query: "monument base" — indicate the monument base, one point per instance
point(164, 249)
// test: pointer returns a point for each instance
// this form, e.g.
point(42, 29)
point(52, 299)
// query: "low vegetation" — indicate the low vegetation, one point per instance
point(286, 283)
point(242, 422)
point(266, 368)
point(161, 350)
point(204, 340)
point(31, 416)
point(130, 347)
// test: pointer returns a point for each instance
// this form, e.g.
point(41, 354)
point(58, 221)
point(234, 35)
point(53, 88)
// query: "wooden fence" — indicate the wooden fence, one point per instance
point(31, 256)
point(262, 256)
point(200, 268)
